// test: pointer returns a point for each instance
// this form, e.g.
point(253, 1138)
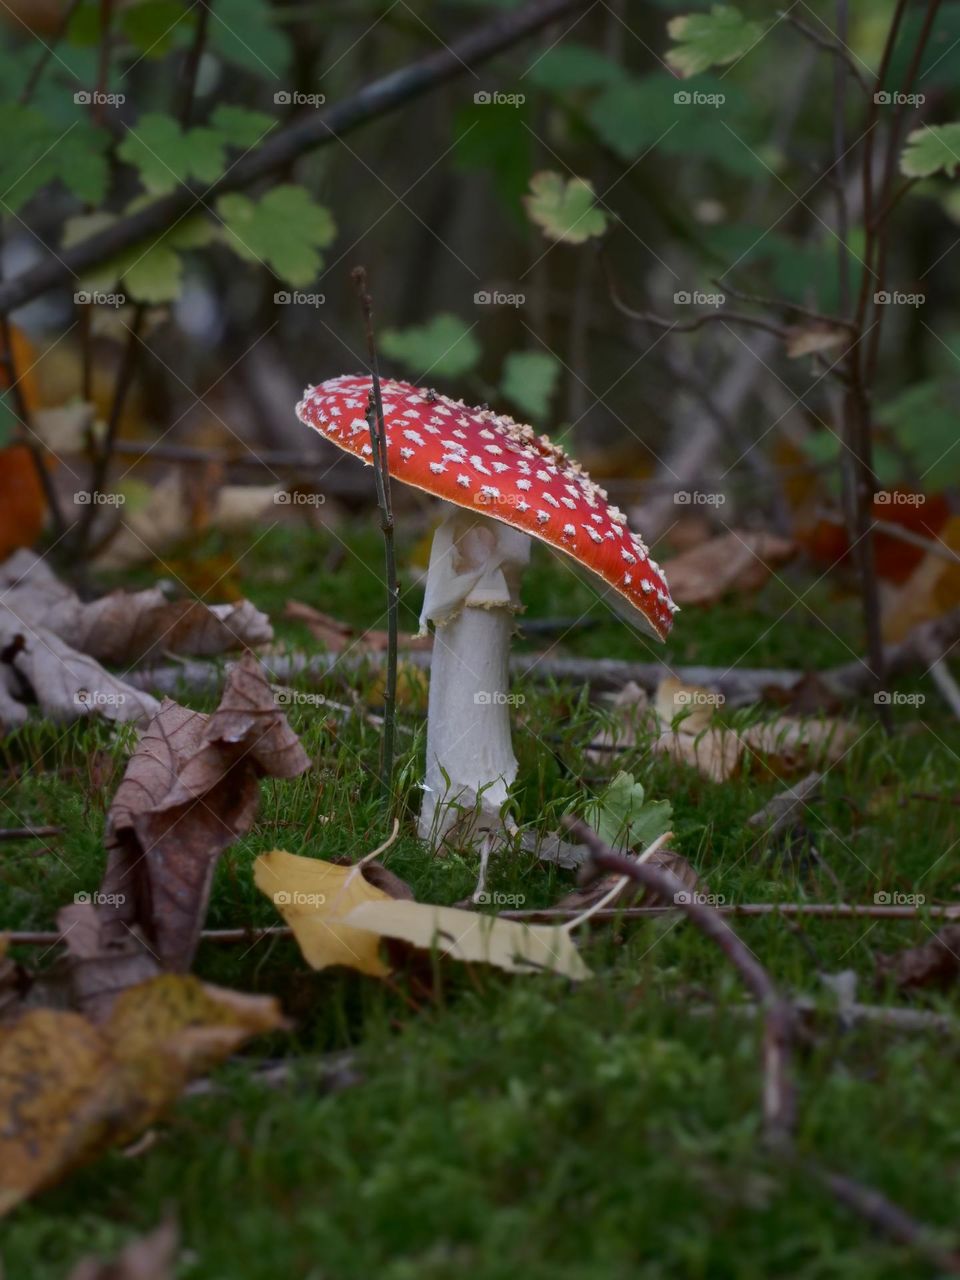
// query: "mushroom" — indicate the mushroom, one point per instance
point(501, 484)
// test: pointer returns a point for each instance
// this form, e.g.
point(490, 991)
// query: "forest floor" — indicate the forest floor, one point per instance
point(511, 1125)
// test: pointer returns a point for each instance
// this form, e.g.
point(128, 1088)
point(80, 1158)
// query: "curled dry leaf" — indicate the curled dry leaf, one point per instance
point(688, 734)
point(740, 561)
point(69, 1090)
point(190, 790)
point(149, 1257)
point(123, 627)
point(100, 969)
point(471, 937)
point(790, 745)
point(811, 339)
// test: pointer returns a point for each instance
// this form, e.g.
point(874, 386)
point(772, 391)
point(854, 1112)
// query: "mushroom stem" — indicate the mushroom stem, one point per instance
point(471, 597)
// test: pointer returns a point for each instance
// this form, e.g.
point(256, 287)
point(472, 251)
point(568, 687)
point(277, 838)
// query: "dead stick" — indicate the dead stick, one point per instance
point(29, 833)
point(778, 1016)
point(381, 471)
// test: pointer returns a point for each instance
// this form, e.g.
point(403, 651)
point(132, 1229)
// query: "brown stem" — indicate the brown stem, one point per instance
point(192, 65)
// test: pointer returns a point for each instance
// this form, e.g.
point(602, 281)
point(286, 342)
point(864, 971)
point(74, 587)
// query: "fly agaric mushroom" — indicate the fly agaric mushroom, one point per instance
point(500, 482)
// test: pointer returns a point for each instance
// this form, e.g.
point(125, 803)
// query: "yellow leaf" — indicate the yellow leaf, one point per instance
point(469, 936)
point(313, 897)
point(69, 1089)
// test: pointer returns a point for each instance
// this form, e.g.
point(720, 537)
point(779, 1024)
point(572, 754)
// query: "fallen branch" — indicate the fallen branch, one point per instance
point(29, 833)
point(778, 1093)
point(283, 147)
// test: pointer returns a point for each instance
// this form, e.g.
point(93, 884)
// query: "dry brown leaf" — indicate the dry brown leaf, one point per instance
point(632, 893)
point(738, 561)
point(810, 339)
point(689, 708)
point(790, 745)
point(473, 938)
point(100, 969)
point(149, 1257)
point(125, 627)
point(932, 589)
point(631, 716)
point(69, 1090)
point(190, 789)
point(933, 964)
point(335, 635)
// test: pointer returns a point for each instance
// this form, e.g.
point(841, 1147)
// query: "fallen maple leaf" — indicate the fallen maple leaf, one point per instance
point(741, 561)
point(69, 1090)
point(190, 789)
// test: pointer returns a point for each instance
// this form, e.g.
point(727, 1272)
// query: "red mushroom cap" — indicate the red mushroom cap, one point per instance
point(481, 460)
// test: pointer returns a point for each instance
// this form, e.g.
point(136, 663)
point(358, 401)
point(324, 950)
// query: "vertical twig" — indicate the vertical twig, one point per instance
point(381, 471)
point(104, 455)
point(103, 69)
point(192, 65)
point(49, 47)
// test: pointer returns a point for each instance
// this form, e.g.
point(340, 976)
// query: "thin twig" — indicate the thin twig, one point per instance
point(29, 833)
point(903, 534)
point(49, 47)
point(778, 1094)
point(783, 304)
point(836, 47)
point(192, 65)
point(381, 471)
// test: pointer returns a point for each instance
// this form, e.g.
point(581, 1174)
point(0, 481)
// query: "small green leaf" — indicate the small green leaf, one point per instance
point(710, 39)
point(150, 272)
point(565, 210)
point(444, 347)
point(154, 26)
point(283, 231)
point(239, 127)
point(529, 380)
point(247, 35)
point(167, 155)
point(623, 818)
point(932, 149)
point(36, 152)
point(570, 66)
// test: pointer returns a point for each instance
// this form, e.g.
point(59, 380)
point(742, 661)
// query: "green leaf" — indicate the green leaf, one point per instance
point(492, 138)
point(623, 818)
point(529, 380)
point(932, 149)
point(444, 347)
point(36, 152)
point(154, 26)
point(571, 66)
point(564, 210)
point(923, 421)
point(155, 276)
point(150, 272)
point(710, 39)
point(712, 119)
point(283, 231)
point(239, 127)
point(246, 34)
point(166, 155)
point(9, 422)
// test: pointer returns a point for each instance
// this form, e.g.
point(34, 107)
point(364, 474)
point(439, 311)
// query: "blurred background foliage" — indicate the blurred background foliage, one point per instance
point(625, 147)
